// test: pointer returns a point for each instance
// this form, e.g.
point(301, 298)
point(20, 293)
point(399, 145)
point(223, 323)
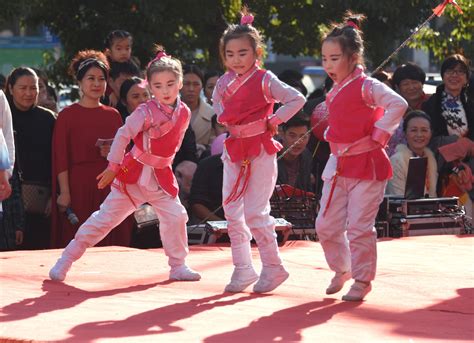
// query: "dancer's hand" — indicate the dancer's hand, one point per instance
point(272, 125)
point(105, 178)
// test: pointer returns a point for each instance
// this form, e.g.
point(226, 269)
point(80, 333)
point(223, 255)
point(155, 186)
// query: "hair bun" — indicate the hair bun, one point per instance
point(157, 48)
point(353, 19)
point(160, 53)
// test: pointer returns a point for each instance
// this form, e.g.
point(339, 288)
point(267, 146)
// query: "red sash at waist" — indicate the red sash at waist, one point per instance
point(252, 129)
point(363, 145)
point(151, 160)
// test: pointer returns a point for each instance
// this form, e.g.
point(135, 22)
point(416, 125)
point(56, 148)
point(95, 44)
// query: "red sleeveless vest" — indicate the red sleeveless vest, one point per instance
point(247, 105)
point(351, 119)
point(164, 146)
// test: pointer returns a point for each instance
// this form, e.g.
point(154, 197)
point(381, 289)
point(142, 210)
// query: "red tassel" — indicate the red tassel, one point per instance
point(244, 171)
point(245, 183)
point(123, 188)
point(333, 186)
point(234, 189)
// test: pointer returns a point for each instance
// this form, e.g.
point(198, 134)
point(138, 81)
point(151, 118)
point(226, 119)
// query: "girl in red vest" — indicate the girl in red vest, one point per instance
point(144, 174)
point(243, 100)
point(363, 113)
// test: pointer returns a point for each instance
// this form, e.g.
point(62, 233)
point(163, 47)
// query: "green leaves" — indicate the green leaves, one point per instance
point(191, 29)
point(451, 33)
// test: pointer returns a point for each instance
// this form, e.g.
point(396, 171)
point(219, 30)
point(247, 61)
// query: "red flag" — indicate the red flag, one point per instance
point(438, 10)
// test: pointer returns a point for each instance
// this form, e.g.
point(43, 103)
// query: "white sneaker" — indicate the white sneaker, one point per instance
point(337, 282)
point(241, 278)
point(358, 291)
point(270, 278)
point(184, 273)
point(60, 269)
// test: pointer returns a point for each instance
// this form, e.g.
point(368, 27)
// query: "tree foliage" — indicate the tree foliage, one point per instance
point(191, 29)
point(453, 34)
point(12, 9)
point(296, 27)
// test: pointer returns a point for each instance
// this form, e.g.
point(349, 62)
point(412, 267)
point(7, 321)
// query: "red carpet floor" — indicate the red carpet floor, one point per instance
point(424, 291)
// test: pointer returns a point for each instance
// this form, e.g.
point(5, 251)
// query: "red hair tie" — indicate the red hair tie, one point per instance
point(247, 19)
point(353, 25)
point(158, 57)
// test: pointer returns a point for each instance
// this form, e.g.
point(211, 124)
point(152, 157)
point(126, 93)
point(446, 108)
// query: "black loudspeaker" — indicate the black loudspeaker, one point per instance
point(146, 237)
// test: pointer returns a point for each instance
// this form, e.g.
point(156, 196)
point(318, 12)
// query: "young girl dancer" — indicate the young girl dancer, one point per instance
point(363, 113)
point(144, 174)
point(243, 100)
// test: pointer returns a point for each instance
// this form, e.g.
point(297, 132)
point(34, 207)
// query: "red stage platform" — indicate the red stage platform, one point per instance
point(424, 291)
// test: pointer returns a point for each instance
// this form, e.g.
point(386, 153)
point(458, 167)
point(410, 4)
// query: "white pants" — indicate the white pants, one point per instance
point(250, 214)
point(117, 206)
point(346, 231)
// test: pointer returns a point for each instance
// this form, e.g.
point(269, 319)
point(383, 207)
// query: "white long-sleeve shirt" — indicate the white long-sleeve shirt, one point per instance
point(7, 128)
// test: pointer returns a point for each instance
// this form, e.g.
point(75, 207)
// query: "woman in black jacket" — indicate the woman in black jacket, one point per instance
point(33, 126)
point(451, 110)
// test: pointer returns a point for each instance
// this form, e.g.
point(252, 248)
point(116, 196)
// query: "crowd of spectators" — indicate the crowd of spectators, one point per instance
point(63, 150)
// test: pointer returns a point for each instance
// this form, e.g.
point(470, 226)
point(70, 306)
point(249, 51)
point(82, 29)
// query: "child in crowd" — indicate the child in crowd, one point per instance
point(118, 46)
point(363, 113)
point(144, 175)
point(118, 49)
point(250, 168)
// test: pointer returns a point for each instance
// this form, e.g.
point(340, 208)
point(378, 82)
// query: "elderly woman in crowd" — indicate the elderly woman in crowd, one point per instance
point(408, 80)
point(417, 129)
